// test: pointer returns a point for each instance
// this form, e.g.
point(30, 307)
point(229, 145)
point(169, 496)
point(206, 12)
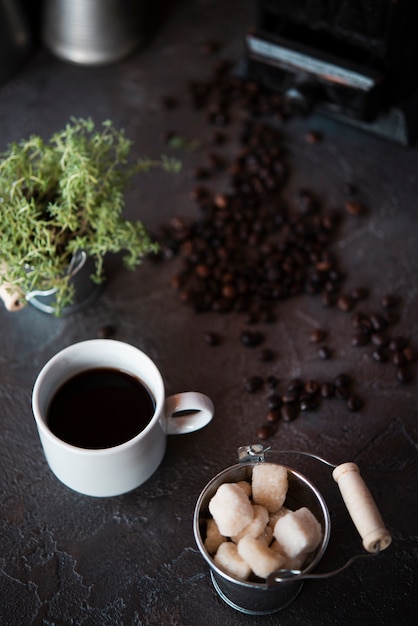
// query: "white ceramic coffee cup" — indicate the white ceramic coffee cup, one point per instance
point(119, 469)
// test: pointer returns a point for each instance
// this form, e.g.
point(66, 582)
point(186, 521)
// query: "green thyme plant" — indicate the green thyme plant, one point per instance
point(64, 196)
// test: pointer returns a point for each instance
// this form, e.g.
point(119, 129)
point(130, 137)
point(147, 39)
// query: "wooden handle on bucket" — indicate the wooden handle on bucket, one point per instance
point(12, 297)
point(361, 507)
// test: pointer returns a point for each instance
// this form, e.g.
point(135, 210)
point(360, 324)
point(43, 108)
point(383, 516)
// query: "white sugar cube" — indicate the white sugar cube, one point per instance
point(228, 559)
point(213, 537)
point(231, 509)
point(298, 532)
point(269, 485)
point(245, 486)
point(262, 559)
point(257, 525)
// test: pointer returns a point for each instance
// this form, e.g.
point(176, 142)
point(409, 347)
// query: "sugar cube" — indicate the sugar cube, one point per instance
point(257, 525)
point(262, 559)
point(231, 509)
point(298, 532)
point(269, 485)
point(213, 537)
point(228, 559)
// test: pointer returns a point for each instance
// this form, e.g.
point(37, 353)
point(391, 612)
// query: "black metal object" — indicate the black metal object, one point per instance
point(356, 60)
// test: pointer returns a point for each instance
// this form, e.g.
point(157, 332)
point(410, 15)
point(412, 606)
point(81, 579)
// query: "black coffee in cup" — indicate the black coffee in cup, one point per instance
point(100, 408)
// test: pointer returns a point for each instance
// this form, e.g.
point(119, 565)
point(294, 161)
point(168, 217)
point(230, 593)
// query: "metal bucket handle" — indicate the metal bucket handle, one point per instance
point(358, 501)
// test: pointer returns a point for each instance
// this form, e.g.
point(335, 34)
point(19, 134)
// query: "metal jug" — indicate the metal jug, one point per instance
point(91, 32)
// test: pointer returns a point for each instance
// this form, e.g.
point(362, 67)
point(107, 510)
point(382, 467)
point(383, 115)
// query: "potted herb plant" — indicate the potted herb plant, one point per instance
point(61, 201)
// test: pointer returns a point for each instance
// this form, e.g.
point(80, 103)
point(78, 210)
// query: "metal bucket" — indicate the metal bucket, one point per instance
point(85, 290)
point(257, 597)
point(92, 32)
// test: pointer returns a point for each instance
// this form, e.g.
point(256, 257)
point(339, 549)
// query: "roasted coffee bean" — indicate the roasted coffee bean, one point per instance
point(379, 323)
point(288, 412)
point(403, 374)
point(251, 339)
point(327, 390)
point(107, 331)
point(308, 405)
point(378, 339)
point(212, 339)
point(311, 387)
point(345, 303)
point(265, 432)
point(398, 358)
point(389, 301)
point(253, 384)
point(359, 340)
point(343, 380)
point(409, 354)
point(274, 401)
point(317, 336)
point(342, 392)
point(290, 397)
point(353, 207)
point(313, 137)
point(272, 382)
point(358, 293)
point(273, 415)
point(324, 353)
point(354, 403)
point(396, 344)
point(295, 385)
point(267, 355)
point(380, 355)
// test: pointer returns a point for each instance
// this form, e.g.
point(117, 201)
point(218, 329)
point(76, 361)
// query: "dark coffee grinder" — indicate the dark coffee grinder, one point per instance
point(356, 60)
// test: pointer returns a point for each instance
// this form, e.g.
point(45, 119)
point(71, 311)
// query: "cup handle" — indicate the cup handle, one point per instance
point(186, 412)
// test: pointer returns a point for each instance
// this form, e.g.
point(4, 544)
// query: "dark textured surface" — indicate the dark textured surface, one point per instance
point(70, 559)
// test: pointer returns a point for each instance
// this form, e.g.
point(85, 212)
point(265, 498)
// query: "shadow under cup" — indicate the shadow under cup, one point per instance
point(112, 470)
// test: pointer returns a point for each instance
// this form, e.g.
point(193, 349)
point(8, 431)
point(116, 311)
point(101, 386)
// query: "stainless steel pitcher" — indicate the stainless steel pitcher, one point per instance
point(91, 32)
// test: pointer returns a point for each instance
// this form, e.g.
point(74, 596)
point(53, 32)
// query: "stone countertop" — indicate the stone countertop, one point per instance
point(66, 558)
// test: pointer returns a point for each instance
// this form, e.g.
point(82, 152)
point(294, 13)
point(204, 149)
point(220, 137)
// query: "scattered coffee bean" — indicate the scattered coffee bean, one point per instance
point(403, 374)
point(273, 416)
point(327, 390)
point(317, 336)
point(251, 339)
point(272, 382)
point(253, 384)
point(396, 344)
point(343, 381)
point(378, 339)
point(324, 353)
point(345, 303)
point(267, 355)
point(398, 358)
point(353, 207)
point(265, 432)
point(212, 339)
point(380, 355)
point(409, 354)
point(389, 301)
point(274, 401)
point(359, 293)
point(359, 340)
point(288, 412)
point(313, 137)
point(378, 322)
point(311, 387)
point(308, 405)
point(107, 331)
point(354, 403)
